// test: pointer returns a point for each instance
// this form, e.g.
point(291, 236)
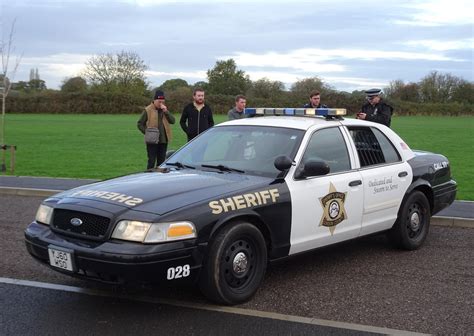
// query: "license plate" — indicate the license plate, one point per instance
point(60, 259)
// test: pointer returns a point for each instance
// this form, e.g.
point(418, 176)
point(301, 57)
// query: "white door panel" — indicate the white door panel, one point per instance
point(325, 210)
point(383, 192)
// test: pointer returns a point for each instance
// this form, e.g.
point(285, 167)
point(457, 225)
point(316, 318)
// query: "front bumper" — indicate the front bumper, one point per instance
point(117, 261)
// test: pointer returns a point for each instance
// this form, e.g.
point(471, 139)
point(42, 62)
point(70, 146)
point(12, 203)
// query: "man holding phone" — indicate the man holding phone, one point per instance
point(375, 109)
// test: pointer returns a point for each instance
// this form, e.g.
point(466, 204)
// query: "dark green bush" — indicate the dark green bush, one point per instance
point(121, 103)
point(75, 103)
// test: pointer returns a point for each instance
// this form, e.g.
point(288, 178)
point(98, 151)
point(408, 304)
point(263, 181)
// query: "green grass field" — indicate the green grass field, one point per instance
point(103, 146)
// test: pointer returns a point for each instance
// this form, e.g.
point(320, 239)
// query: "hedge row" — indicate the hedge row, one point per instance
point(433, 109)
point(106, 103)
point(75, 103)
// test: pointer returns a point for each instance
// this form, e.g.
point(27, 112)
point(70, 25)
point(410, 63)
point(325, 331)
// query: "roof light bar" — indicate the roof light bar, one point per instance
point(265, 111)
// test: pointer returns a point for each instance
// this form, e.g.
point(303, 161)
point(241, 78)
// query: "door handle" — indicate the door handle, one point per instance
point(402, 174)
point(355, 183)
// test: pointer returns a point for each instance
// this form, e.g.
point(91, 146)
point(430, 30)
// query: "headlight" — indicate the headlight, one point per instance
point(44, 214)
point(153, 232)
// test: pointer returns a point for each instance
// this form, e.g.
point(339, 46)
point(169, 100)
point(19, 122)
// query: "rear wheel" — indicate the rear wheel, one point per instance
point(236, 264)
point(412, 226)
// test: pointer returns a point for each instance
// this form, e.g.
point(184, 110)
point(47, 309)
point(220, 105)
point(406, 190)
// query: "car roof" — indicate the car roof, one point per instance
point(303, 123)
point(357, 122)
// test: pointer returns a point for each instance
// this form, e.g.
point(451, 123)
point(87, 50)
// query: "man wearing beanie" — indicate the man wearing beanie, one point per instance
point(156, 120)
point(375, 109)
point(197, 116)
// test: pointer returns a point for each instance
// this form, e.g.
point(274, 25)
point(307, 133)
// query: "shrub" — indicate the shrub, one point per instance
point(122, 103)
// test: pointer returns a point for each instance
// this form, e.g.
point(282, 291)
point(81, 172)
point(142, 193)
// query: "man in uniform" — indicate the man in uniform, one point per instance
point(375, 109)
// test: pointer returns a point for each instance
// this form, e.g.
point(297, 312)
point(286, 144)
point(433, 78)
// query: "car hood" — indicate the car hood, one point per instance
point(160, 193)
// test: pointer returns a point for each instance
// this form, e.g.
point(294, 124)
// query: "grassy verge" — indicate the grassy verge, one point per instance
point(103, 146)
point(450, 136)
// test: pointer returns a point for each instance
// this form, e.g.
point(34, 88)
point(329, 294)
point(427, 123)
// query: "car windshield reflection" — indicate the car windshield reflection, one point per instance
point(242, 149)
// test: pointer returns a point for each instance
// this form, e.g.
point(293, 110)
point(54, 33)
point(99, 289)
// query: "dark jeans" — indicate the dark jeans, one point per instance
point(156, 153)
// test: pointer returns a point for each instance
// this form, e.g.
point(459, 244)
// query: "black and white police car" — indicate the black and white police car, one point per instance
point(241, 194)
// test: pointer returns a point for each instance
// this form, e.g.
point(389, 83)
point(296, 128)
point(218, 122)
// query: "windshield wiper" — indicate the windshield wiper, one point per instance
point(180, 165)
point(223, 168)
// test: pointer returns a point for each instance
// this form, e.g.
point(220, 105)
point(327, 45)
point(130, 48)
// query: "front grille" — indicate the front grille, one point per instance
point(92, 225)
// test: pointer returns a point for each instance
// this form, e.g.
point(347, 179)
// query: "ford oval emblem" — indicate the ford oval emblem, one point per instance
point(76, 222)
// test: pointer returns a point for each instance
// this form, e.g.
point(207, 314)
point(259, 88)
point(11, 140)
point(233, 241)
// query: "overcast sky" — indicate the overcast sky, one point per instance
point(349, 44)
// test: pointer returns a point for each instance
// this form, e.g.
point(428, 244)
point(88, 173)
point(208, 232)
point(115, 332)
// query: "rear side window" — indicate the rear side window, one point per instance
point(373, 147)
point(329, 146)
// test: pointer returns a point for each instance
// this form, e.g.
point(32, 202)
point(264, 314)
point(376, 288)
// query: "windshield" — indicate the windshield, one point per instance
point(243, 149)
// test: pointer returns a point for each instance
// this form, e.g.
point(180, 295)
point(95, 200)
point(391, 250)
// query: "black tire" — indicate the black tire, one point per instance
point(236, 264)
point(413, 223)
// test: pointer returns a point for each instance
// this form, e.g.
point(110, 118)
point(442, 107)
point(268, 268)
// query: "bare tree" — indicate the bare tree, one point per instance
point(438, 87)
point(8, 72)
point(122, 71)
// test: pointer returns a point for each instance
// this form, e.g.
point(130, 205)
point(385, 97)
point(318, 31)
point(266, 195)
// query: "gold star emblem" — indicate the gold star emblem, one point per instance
point(333, 208)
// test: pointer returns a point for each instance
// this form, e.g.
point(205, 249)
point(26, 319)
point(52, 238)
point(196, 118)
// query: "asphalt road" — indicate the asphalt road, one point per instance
point(71, 314)
point(363, 281)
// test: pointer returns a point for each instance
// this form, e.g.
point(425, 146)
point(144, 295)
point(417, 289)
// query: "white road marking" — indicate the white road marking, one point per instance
point(224, 309)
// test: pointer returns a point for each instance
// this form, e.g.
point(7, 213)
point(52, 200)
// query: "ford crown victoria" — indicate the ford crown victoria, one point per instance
point(242, 194)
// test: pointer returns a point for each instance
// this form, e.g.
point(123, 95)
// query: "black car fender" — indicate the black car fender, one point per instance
point(247, 215)
point(422, 185)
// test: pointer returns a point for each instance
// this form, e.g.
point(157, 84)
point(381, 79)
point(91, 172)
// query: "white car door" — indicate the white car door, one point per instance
point(386, 178)
point(326, 209)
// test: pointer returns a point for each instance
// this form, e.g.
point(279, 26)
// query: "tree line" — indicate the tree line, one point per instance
point(122, 77)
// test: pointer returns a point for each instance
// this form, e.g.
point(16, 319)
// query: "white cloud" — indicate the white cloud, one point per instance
point(356, 83)
point(341, 82)
point(58, 65)
point(147, 3)
point(199, 75)
point(442, 45)
point(284, 77)
point(315, 60)
point(122, 44)
point(303, 59)
point(53, 68)
point(440, 13)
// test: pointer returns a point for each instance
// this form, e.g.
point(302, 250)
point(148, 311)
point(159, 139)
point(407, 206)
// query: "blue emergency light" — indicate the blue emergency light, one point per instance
point(306, 112)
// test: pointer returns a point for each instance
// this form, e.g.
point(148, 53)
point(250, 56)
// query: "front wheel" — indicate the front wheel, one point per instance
point(236, 264)
point(413, 222)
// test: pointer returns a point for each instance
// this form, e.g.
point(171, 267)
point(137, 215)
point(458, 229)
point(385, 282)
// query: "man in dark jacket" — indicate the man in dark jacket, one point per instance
point(156, 116)
point(197, 116)
point(375, 109)
point(315, 101)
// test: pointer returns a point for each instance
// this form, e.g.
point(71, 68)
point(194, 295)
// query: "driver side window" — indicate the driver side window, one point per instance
point(328, 145)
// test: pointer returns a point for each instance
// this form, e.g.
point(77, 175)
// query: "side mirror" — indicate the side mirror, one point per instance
point(169, 153)
point(283, 162)
point(312, 168)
